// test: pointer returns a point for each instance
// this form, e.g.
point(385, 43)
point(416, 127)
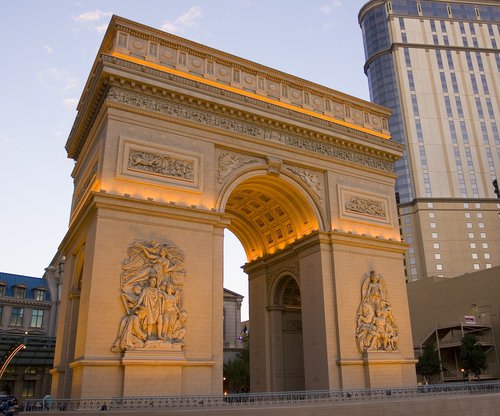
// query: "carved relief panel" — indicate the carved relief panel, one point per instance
point(151, 283)
point(355, 205)
point(376, 329)
point(160, 164)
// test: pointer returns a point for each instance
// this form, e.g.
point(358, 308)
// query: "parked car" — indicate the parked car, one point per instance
point(12, 404)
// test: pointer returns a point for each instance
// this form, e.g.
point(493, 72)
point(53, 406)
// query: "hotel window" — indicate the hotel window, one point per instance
point(37, 318)
point(476, 266)
point(19, 292)
point(434, 235)
point(481, 225)
point(432, 215)
point(469, 225)
point(439, 267)
point(485, 245)
point(486, 255)
point(472, 245)
point(433, 225)
point(471, 235)
point(437, 256)
point(435, 245)
point(467, 215)
point(16, 317)
point(488, 265)
point(483, 235)
point(430, 205)
point(466, 205)
point(478, 206)
point(474, 256)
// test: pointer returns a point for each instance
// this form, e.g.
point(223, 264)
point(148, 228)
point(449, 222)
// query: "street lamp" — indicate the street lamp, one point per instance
point(463, 373)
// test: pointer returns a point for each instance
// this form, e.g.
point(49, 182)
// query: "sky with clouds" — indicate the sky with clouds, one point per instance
point(49, 47)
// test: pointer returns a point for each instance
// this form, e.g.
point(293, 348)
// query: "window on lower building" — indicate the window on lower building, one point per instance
point(19, 292)
point(37, 318)
point(2, 289)
point(476, 266)
point(29, 388)
point(39, 294)
point(439, 267)
point(16, 318)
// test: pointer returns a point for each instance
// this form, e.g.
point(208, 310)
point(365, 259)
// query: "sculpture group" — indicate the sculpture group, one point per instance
point(152, 282)
point(376, 329)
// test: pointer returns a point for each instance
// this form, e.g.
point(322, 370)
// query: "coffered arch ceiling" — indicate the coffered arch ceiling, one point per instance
point(268, 213)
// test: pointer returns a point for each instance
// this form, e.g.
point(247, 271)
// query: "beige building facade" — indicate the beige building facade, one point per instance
point(435, 63)
point(444, 310)
point(173, 143)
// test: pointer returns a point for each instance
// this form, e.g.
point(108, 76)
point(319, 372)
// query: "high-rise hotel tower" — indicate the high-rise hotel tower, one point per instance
point(436, 64)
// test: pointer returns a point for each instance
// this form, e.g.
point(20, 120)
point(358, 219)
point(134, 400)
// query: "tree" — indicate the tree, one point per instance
point(472, 356)
point(237, 371)
point(428, 363)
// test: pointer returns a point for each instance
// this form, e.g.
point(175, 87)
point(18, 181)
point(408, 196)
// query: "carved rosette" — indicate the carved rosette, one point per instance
point(376, 329)
point(151, 282)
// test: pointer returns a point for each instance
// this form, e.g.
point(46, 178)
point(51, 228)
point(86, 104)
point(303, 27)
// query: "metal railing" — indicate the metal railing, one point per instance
point(267, 399)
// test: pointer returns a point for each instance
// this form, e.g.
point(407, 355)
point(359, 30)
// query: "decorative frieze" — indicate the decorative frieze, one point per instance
point(190, 59)
point(240, 127)
point(159, 164)
point(361, 206)
point(365, 206)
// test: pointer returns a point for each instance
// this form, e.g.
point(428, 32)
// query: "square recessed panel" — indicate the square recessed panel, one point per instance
point(366, 207)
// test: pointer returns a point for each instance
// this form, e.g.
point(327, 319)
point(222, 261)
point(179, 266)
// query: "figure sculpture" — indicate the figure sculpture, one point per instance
point(376, 329)
point(151, 283)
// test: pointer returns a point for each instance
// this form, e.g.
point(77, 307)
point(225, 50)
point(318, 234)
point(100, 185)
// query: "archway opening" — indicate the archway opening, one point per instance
point(268, 214)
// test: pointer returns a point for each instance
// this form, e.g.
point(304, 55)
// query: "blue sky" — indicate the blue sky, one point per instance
point(48, 48)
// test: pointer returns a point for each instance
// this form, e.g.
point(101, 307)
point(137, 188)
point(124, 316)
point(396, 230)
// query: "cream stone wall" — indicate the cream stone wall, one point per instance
point(167, 156)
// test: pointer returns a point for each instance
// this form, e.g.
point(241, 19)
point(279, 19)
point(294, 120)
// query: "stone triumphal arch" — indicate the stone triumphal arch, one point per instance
point(173, 143)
